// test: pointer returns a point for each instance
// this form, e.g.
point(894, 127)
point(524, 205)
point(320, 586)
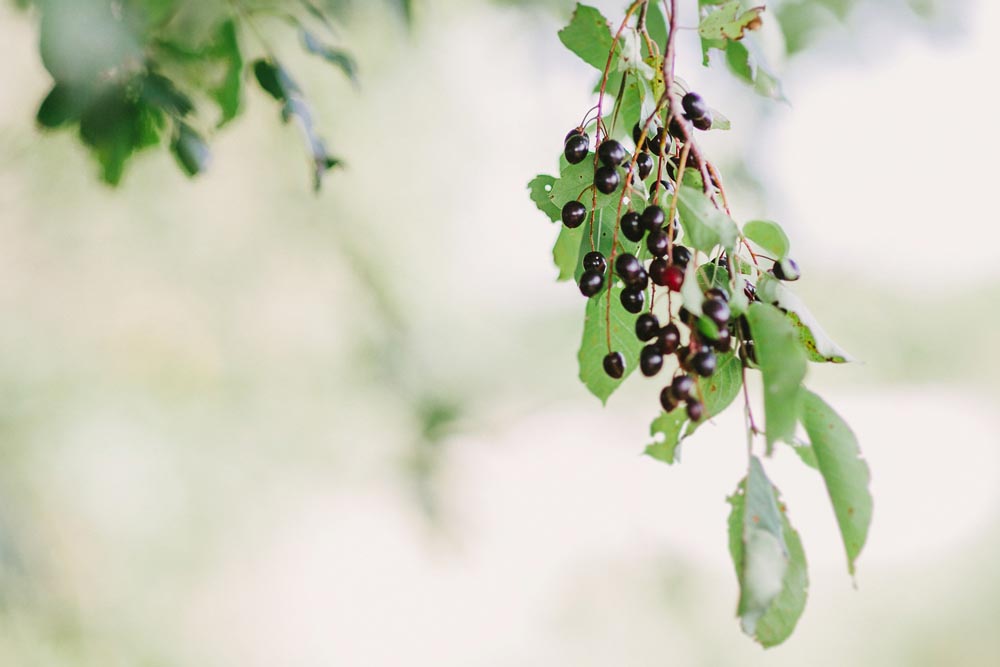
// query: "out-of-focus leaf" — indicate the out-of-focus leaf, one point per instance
point(63, 105)
point(190, 149)
point(588, 35)
point(337, 57)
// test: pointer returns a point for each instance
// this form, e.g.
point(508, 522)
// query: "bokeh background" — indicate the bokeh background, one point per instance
point(243, 425)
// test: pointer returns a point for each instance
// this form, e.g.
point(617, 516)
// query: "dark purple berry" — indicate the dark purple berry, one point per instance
point(614, 365)
point(646, 327)
point(681, 255)
point(573, 214)
point(628, 268)
point(591, 283)
point(718, 293)
point(606, 179)
point(644, 163)
point(716, 310)
point(658, 242)
point(661, 140)
point(750, 290)
point(686, 316)
point(703, 363)
point(632, 227)
point(641, 281)
point(787, 269)
point(695, 410)
point(725, 341)
point(675, 278)
point(650, 360)
point(678, 125)
point(704, 123)
point(594, 261)
point(694, 105)
point(658, 270)
point(632, 299)
point(653, 218)
point(576, 132)
point(683, 388)
point(667, 400)
point(670, 339)
point(611, 153)
point(577, 147)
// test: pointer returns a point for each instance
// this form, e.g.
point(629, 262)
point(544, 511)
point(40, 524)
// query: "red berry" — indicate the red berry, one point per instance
point(675, 278)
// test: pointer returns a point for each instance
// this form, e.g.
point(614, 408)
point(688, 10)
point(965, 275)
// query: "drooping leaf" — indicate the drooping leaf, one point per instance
point(594, 346)
point(273, 78)
point(719, 121)
point(729, 22)
point(746, 61)
point(784, 612)
point(704, 225)
point(190, 149)
point(159, 91)
point(656, 24)
point(783, 365)
point(757, 546)
point(769, 236)
point(815, 341)
point(588, 35)
point(63, 105)
point(844, 471)
point(566, 252)
point(666, 431)
point(115, 125)
point(338, 57)
point(227, 91)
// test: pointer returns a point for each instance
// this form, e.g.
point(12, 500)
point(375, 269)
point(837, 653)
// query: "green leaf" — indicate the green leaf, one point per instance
point(63, 105)
point(588, 35)
point(227, 92)
point(769, 236)
point(338, 57)
point(656, 24)
point(745, 60)
point(115, 125)
point(719, 121)
point(757, 546)
point(806, 454)
point(159, 91)
point(781, 617)
point(273, 78)
point(729, 22)
point(190, 149)
point(783, 365)
point(604, 238)
point(566, 252)
point(540, 188)
point(844, 471)
point(576, 182)
point(704, 225)
point(594, 346)
point(669, 426)
point(815, 341)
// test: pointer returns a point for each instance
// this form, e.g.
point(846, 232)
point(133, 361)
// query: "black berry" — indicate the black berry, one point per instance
point(725, 341)
point(681, 255)
point(644, 163)
point(718, 293)
point(576, 132)
point(695, 410)
point(683, 388)
point(661, 139)
point(703, 363)
point(577, 147)
point(632, 299)
point(678, 128)
point(632, 227)
point(670, 339)
point(614, 365)
point(650, 360)
point(717, 310)
point(667, 186)
point(573, 214)
point(704, 123)
point(591, 283)
point(658, 242)
point(750, 290)
point(594, 261)
point(694, 106)
point(641, 281)
point(686, 316)
point(653, 218)
point(628, 268)
point(787, 270)
point(606, 179)
point(667, 400)
point(611, 153)
point(646, 327)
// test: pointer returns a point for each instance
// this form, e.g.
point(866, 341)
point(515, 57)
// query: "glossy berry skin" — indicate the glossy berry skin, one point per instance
point(724, 342)
point(632, 227)
point(792, 274)
point(695, 411)
point(678, 125)
point(667, 400)
point(577, 147)
point(611, 153)
point(614, 365)
point(681, 255)
point(675, 278)
point(718, 293)
point(628, 268)
point(650, 360)
point(686, 316)
point(704, 123)
point(663, 139)
point(594, 261)
point(750, 290)
point(666, 186)
point(591, 283)
point(576, 132)
point(573, 214)
point(644, 163)
point(632, 299)
point(641, 281)
point(703, 363)
point(683, 388)
point(658, 272)
point(647, 327)
point(716, 310)
point(684, 356)
point(653, 218)
point(606, 179)
point(670, 339)
point(657, 243)
point(694, 105)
